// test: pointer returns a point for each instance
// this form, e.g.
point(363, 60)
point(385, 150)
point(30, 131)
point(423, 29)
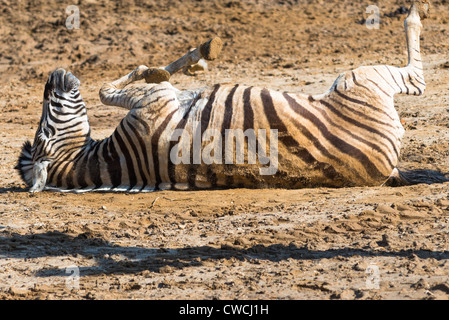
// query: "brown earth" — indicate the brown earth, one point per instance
point(233, 244)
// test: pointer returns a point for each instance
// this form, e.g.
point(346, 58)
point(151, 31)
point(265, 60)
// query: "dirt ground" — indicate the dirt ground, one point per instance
point(350, 243)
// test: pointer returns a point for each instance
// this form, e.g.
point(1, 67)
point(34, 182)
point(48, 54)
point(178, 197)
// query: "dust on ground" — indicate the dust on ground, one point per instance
point(349, 243)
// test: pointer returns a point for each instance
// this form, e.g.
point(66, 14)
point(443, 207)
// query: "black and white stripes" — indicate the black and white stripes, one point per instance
point(225, 136)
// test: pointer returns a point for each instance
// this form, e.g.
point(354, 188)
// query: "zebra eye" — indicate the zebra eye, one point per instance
point(56, 105)
point(45, 133)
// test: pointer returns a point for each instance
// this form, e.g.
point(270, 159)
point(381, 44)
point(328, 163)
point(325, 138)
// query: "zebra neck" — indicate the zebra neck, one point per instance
point(97, 166)
point(93, 164)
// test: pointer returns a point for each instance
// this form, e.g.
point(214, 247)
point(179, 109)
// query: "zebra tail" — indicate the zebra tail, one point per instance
point(416, 176)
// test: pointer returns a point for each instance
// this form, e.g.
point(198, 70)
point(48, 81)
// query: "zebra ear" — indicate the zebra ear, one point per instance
point(25, 164)
point(39, 176)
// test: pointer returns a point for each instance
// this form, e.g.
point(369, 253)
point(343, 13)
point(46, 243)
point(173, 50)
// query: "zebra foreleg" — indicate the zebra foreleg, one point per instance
point(117, 93)
point(208, 50)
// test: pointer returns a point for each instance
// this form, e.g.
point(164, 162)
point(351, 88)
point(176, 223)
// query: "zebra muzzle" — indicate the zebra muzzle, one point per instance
point(423, 7)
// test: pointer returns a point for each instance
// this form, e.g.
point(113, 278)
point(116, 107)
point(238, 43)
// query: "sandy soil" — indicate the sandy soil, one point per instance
point(355, 243)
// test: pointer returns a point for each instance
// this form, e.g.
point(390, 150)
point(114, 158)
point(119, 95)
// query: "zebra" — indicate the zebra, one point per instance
point(348, 136)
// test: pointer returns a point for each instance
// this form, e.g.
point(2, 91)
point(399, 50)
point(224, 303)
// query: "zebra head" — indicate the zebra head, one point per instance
point(62, 130)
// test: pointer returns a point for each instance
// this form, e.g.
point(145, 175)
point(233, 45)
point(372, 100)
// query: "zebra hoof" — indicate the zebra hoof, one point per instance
point(211, 49)
point(423, 7)
point(155, 75)
point(196, 68)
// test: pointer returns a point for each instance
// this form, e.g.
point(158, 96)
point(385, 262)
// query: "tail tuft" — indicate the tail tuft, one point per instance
point(410, 177)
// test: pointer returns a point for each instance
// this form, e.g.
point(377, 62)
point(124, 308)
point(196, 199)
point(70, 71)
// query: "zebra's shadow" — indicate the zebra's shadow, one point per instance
point(413, 176)
point(12, 189)
point(113, 259)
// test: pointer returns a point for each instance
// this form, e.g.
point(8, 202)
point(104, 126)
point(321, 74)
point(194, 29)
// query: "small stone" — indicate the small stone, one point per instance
point(90, 296)
point(421, 284)
point(381, 208)
point(385, 241)
point(166, 269)
point(360, 266)
point(241, 242)
point(410, 215)
point(443, 202)
point(346, 294)
point(403, 207)
point(18, 292)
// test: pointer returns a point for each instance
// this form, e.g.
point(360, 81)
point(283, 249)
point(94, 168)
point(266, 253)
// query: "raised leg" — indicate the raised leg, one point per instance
point(121, 93)
point(208, 50)
point(387, 80)
point(413, 26)
point(410, 79)
point(118, 93)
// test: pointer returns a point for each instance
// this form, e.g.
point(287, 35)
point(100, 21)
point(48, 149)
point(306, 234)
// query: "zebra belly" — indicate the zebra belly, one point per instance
point(287, 175)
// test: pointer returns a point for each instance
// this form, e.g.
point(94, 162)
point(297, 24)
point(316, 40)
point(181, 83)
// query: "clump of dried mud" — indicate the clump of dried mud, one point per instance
point(232, 244)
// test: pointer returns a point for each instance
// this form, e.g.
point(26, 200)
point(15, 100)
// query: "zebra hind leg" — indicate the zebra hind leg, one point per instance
point(120, 93)
point(413, 77)
point(410, 79)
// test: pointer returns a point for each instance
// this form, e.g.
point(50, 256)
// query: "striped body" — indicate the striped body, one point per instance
point(348, 136)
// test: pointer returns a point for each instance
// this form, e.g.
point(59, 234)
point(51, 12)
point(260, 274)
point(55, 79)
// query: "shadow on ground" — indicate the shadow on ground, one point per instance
point(135, 259)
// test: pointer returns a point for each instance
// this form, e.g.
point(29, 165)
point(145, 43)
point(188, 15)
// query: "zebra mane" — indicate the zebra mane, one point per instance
point(25, 164)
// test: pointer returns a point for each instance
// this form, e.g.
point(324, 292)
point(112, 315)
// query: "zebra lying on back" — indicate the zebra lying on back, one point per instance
point(348, 136)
